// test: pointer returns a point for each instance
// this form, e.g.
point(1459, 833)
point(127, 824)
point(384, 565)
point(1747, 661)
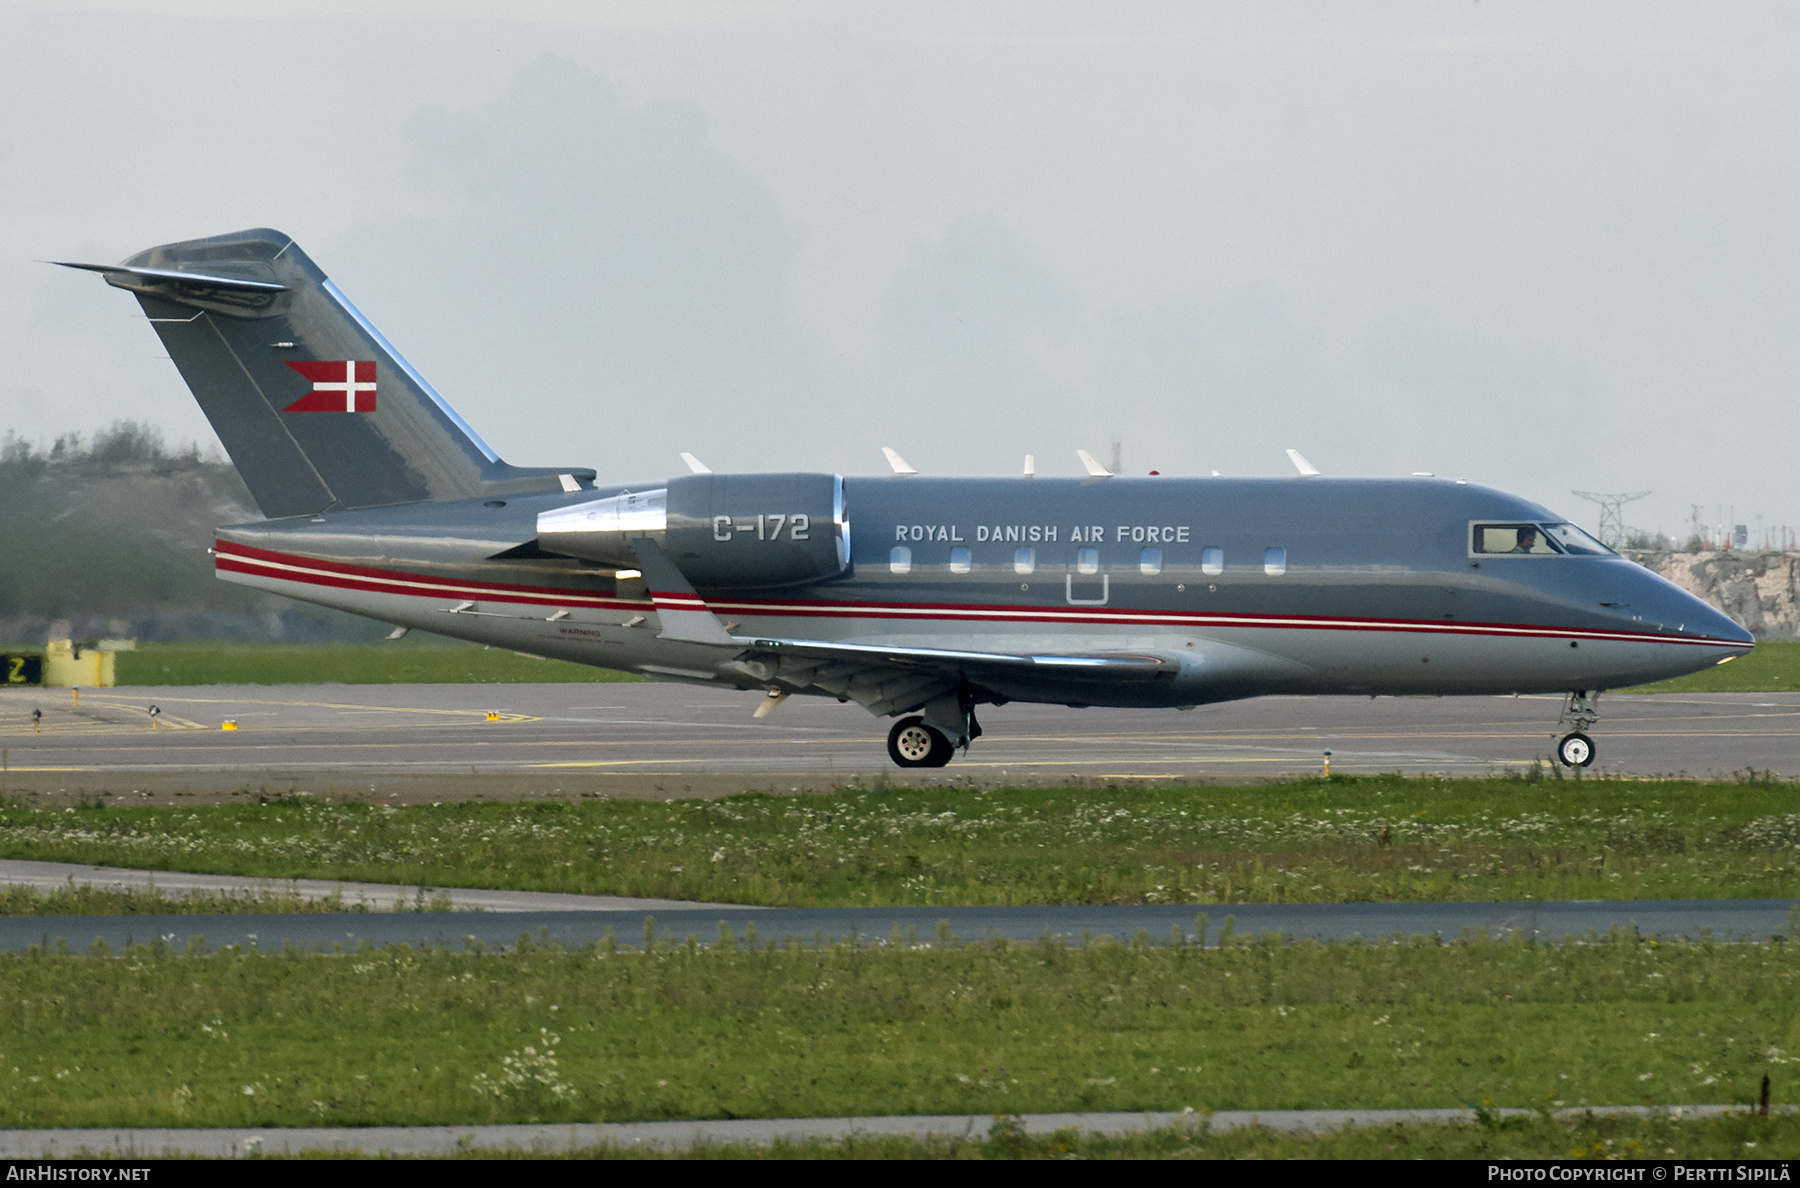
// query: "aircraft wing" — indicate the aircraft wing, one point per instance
point(883, 679)
point(892, 680)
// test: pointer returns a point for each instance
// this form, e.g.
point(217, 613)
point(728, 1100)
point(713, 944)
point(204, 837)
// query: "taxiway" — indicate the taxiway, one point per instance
point(408, 742)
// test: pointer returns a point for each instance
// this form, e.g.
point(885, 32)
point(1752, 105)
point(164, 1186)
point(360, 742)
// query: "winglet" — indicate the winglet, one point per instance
point(1306, 469)
point(694, 464)
point(1093, 464)
point(685, 617)
point(897, 462)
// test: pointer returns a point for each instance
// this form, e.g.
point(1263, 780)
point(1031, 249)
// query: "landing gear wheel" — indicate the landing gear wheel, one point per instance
point(911, 743)
point(1575, 750)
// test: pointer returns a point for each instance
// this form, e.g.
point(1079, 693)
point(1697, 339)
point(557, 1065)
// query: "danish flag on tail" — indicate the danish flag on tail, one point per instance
point(338, 386)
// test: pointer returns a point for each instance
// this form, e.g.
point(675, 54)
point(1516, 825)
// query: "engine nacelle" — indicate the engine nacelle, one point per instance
point(723, 531)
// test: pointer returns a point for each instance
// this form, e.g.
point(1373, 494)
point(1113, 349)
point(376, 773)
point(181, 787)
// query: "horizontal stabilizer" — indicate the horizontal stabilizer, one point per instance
point(148, 279)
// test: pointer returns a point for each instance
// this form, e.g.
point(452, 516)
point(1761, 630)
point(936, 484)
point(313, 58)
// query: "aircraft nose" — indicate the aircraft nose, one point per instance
point(1697, 617)
point(1650, 598)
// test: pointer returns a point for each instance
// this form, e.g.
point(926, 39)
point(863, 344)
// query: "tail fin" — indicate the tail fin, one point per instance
point(316, 409)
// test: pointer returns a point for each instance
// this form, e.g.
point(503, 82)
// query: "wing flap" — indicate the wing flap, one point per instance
point(1096, 666)
point(888, 680)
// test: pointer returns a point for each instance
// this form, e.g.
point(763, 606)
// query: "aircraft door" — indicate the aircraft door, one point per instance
point(1086, 584)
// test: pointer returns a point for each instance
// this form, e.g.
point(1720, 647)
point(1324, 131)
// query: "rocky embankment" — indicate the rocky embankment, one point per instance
point(1759, 590)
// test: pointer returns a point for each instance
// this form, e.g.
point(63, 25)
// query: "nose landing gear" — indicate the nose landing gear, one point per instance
point(1576, 749)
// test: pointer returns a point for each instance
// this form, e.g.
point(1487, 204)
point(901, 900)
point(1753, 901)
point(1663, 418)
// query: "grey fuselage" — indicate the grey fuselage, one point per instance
point(1376, 591)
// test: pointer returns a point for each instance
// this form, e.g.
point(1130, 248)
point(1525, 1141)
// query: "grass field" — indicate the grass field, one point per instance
point(398, 662)
point(1773, 666)
point(1357, 839)
point(761, 1030)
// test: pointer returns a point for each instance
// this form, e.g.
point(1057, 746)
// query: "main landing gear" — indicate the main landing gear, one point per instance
point(911, 743)
point(928, 739)
point(1576, 749)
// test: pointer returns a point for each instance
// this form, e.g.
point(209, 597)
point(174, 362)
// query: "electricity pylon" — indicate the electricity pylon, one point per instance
point(1612, 516)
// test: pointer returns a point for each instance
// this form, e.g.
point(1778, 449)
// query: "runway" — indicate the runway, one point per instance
point(1723, 919)
point(437, 742)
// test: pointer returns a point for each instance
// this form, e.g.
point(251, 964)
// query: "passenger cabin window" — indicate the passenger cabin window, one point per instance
point(959, 559)
point(1522, 539)
point(1274, 562)
point(1212, 561)
point(900, 559)
point(1024, 560)
point(1573, 540)
point(1150, 561)
point(1087, 560)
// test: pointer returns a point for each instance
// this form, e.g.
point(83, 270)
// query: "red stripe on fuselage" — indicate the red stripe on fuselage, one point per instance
point(237, 558)
point(983, 613)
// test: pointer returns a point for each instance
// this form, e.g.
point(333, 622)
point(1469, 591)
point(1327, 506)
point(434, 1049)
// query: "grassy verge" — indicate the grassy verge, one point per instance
point(75, 900)
point(1771, 667)
point(349, 664)
point(1364, 839)
point(1739, 1136)
point(401, 1037)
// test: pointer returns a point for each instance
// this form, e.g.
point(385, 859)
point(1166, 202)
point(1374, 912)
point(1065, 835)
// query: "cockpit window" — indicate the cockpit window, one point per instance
point(1513, 538)
point(1573, 540)
point(1537, 540)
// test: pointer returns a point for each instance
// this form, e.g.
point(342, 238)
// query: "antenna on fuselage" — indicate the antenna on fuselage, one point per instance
point(900, 468)
point(694, 464)
point(1306, 469)
point(1093, 465)
point(1030, 465)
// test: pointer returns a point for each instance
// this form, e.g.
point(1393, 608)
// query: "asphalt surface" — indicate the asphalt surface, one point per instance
point(227, 1143)
point(1722, 919)
point(414, 742)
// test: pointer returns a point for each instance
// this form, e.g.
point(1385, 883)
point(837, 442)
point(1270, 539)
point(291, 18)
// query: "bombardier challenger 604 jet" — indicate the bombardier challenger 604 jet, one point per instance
point(918, 598)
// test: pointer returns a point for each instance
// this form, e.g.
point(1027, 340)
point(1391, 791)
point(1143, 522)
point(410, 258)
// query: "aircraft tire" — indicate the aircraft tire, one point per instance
point(911, 743)
point(1575, 750)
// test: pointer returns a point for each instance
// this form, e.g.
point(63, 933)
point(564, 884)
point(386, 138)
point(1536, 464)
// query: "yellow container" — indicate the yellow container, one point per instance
point(66, 665)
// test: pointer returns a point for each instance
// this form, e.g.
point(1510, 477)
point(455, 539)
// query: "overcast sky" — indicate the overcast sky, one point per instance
point(1543, 246)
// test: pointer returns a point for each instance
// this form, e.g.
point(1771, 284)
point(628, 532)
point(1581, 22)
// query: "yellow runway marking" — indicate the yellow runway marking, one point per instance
point(345, 705)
